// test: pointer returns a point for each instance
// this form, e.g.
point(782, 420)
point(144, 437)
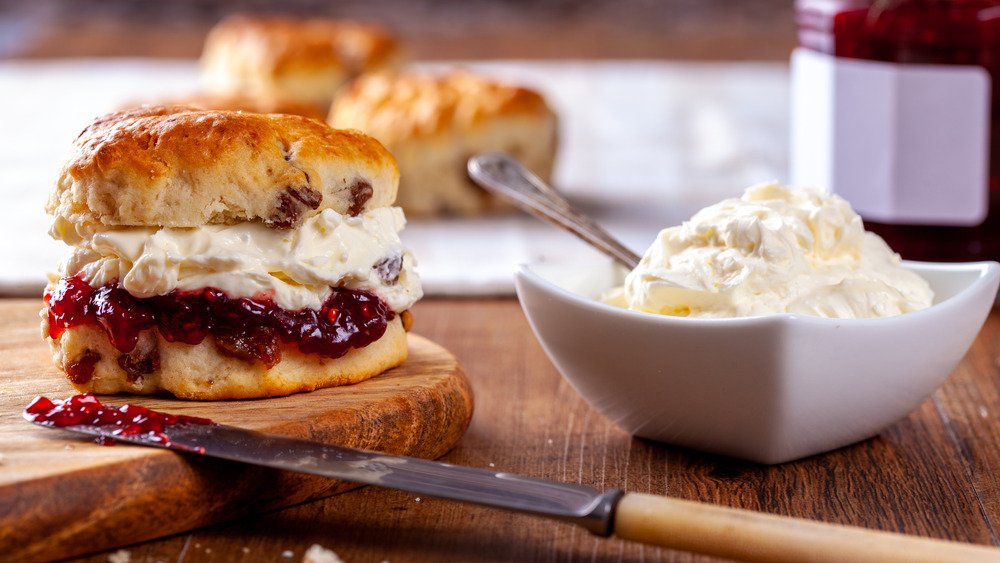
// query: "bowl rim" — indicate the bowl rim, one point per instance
point(989, 273)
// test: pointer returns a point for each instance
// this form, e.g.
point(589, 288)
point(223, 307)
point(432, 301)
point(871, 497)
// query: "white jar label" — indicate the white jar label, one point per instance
point(903, 143)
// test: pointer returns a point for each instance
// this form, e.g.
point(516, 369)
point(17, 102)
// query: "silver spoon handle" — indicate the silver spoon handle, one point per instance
point(504, 176)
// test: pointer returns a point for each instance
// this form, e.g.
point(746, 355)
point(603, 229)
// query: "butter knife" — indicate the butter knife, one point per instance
point(671, 523)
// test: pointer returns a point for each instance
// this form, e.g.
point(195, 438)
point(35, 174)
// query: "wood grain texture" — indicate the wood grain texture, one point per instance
point(62, 495)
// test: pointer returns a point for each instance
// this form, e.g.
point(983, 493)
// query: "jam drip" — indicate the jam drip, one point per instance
point(245, 328)
point(127, 420)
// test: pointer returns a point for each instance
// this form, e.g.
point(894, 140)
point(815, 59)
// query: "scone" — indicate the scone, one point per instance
point(242, 102)
point(305, 60)
point(433, 122)
point(221, 255)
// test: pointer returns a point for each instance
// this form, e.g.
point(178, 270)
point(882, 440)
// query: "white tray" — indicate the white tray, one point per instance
point(643, 146)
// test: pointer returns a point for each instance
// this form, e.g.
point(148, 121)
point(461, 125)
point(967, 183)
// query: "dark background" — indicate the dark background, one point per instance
point(667, 29)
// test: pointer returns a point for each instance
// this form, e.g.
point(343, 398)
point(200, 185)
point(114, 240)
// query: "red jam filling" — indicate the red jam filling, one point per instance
point(246, 328)
point(127, 420)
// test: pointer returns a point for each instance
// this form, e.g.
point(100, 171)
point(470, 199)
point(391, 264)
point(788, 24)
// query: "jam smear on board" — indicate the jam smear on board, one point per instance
point(127, 420)
point(248, 328)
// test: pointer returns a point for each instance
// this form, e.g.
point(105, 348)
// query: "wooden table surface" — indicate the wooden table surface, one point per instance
point(932, 474)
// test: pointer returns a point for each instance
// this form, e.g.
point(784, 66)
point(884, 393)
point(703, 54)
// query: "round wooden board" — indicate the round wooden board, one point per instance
point(66, 495)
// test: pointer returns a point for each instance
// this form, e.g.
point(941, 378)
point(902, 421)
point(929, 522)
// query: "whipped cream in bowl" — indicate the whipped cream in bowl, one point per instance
point(774, 250)
point(768, 327)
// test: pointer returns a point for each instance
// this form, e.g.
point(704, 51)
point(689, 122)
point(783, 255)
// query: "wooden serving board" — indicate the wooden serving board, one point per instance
point(62, 495)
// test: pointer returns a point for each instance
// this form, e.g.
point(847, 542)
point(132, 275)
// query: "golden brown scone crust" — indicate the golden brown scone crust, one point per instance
point(308, 59)
point(433, 122)
point(200, 372)
point(242, 102)
point(175, 166)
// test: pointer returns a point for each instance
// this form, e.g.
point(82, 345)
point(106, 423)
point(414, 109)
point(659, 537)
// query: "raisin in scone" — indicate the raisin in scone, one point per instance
point(221, 255)
point(300, 59)
point(433, 122)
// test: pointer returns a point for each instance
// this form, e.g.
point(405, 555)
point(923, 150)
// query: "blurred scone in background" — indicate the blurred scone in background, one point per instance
point(432, 122)
point(305, 60)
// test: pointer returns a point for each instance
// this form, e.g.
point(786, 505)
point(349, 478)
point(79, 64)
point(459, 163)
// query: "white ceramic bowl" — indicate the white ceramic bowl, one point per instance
point(767, 389)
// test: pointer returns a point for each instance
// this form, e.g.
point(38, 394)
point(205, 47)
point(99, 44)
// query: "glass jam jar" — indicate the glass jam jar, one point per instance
point(893, 107)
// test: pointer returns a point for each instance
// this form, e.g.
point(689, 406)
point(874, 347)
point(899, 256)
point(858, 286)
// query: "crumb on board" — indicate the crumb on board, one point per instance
point(120, 556)
point(319, 554)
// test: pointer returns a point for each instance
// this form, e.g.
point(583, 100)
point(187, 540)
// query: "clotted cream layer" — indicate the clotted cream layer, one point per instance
point(774, 250)
point(296, 267)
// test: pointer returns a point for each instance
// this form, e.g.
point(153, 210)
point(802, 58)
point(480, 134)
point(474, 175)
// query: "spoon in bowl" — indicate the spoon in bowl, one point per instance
point(502, 175)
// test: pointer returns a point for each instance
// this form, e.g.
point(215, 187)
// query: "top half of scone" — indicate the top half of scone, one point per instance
point(164, 198)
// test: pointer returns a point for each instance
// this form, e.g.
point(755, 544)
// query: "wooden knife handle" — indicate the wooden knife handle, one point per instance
point(751, 536)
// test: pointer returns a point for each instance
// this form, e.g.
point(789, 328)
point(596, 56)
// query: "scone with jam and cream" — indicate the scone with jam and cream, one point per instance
point(221, 255)
point(773, 250)
point(432, 122)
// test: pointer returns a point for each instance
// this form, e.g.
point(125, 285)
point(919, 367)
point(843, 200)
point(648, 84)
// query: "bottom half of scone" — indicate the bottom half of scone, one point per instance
point(204, 371)
point(206, 346)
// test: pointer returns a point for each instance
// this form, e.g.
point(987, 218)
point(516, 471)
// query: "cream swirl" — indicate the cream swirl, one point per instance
point(774, 250)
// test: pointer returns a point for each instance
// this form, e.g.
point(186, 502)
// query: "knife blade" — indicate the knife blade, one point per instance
point(676, 524)
point(577, 504)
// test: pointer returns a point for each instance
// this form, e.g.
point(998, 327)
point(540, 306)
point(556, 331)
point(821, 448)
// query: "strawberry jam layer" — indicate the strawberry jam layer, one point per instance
point(127, 420)
point(247, 328)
